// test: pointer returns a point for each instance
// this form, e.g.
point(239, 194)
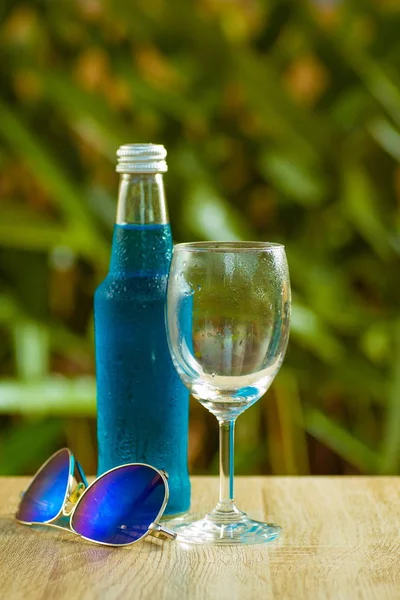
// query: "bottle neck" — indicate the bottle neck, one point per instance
point(142, 242)
point(141, 199)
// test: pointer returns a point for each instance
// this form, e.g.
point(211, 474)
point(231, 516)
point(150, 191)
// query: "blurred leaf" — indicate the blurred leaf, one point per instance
point(378, 79)
point(293, 178)
point(249, 448)
point(387, 136)
point(357, 375)
point(380, 83)
point(41, 162)
point(8, 309)
point(360, 201)
point(390, 461)
point(283, 119)
point(86, 112)
point(27, 231)
point(375, 342)
point(168, 101)
point(311, 333)
point(103, 205)
point(55, 395)
point(351, 108)
point(333, 435)
point(31, 350)
point(293, 448)
point(53, 178)
point(209, 216)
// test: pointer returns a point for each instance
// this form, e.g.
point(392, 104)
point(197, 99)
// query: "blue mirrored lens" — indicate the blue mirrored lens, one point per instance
point(44, 498)
point(119, 506)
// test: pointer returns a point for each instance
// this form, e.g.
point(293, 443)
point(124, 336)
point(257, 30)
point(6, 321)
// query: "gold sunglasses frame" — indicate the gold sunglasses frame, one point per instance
point(76, 489)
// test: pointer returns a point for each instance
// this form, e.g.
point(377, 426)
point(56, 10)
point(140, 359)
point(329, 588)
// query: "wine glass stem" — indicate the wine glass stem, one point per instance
point(226, 466)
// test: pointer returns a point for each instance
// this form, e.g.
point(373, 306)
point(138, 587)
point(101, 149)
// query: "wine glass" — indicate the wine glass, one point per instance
point(227, 317)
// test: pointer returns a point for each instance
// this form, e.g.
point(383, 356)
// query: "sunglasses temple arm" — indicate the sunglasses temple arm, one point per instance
point(161, 532)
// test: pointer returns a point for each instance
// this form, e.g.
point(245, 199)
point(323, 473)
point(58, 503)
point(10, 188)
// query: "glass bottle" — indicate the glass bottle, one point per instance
point(142, 406)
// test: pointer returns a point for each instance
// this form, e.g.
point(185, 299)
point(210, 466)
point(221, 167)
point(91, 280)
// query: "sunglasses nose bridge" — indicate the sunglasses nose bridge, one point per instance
point(74, 497)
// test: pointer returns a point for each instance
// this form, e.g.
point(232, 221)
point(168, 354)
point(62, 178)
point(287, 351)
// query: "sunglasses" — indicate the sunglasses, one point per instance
point(119, 508)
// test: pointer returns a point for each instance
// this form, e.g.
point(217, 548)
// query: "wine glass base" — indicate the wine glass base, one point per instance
point(209, 530)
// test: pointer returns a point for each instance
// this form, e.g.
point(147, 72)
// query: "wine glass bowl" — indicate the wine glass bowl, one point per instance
point(228, 312)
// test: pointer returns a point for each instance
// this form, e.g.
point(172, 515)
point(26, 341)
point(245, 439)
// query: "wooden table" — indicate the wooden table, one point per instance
point(341, 540)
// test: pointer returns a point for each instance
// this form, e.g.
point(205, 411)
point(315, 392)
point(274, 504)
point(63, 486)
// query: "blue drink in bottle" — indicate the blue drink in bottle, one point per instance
point(142, 406)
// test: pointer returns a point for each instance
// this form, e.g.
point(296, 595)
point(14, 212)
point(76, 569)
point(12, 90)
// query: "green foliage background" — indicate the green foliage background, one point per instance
point(282, 123)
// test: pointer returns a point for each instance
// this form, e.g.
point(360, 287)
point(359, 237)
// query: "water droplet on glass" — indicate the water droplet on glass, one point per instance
point(184, 263)
point(199, 288)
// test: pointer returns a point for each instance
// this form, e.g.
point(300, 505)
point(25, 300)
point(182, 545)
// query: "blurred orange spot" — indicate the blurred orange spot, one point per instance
point(155, 69)
point(92, 68)
point(306, 79)
point(118, 93)
point(21, 26)
point(240, 19)
point(91, 9)
point(327, 14)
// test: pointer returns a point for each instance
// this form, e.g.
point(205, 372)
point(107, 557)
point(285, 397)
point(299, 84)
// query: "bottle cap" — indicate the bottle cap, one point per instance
point(141, 158)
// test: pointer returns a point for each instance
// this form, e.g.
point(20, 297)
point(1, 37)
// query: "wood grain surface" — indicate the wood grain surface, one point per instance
point(341, 540)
